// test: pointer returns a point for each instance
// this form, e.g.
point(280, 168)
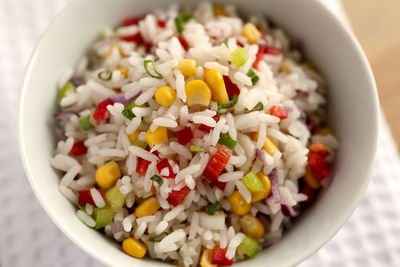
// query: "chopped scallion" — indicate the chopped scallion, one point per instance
point(128, 113)
point(157, 75)
point(257, 107)
point(157, 179)
point(105, 75)
point(67, 87)
point(181, 20)
point(253, 76)
point(225, 140)
point(225, 42)
point(158, 238)
point(231, 103)
point(238, 56)
point(85, 123)
point(197, 149)
point(212, 208)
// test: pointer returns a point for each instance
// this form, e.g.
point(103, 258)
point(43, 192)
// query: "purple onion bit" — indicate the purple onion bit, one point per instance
point(276, 195)
point(260, 154)
point(300, 93)
point(77, 81)
point(271, 239)
point(64, 114)
point(116, 227)
point(120, 98)
point(288, 211)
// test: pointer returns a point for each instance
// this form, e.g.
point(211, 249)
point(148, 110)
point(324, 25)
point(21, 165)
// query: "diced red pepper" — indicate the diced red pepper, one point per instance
point(206, 128)
point(220, 185)
point(310, 193)
point(320, 149)
point(231, 88)
point(161, 23)
point(131, 21)
point(315, 160)
point(219, 258)
point(101, 113)
point(135, 38)
point(78, 149)
point(217, 163)
point(161, 165)
point(142, 166)
point(239, 43)
point(85, 197)
point(263, 36)
point(320, 168)
point(177, 196)
point(184, 136)
point(278, 111)
point(183, 42)
point(259, 57)
point(271, 50)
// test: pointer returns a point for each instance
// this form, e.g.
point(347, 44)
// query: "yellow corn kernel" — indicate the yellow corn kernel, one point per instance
point(134, 247)
point(108, 174)
point(252, 226)
point(187, 67)
point(106, 55)
point(165, 96)
point(251, 32)
point(310, 180)
point(159, 136)
point(219, 11)
point(147, 208)
point(285, 67)
point(239, 206)
point(267, 185)
point(216, 82)
point(132, 137)
point(124, 71)
point(269, 145)
point(324, 131)
point(197, 93)
point(206, 259)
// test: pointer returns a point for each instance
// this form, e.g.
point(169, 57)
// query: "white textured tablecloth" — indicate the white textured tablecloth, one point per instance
point(29, 238)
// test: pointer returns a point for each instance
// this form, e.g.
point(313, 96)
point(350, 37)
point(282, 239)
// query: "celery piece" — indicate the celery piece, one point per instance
point(115, 198)
point(249, 246)
point(253, 183)
point(103, 216)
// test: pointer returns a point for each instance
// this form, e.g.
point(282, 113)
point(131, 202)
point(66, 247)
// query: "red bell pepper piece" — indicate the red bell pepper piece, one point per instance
point(310, 193)
point(259, 57)
point(184, 136)
point(161, 23)
point(101, 113)
point(217, 163)
point(177, 196)
point(131, 21)
point(135, 38)
point(320, 168)
point(231, 88)
point(161, 165)
point(206, 128)
point(219, 258)
point(220, 185)
point(239, 43)
point(85, 197)
point(183, 42)
point(142, 166)
point(78, 149)
point(320, 149)
point(271, 50)
point(278, 111)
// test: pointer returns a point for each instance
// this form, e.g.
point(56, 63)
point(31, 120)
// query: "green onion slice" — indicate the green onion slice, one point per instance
point(197, 149)
point(257, 107)
point(128, 113)
point(238, 56)
point(157, 75)
point(253, 76)
point(158, 238)
point(67, 87)
point(181, 20)
point(105, 75)
point(212, 208)
point(225, 42)
point(225, 140)
point(157, 179)
point(233, 102)
point(85, 124)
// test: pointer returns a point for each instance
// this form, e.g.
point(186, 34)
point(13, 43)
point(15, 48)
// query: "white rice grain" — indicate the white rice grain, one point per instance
point(230, 176)
point(85, 218)
point(97, 198)
point(140, 152)
point(243, 190)
point(172, 214)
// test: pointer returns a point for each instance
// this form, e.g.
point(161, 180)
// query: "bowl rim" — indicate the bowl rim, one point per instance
point(295, 260)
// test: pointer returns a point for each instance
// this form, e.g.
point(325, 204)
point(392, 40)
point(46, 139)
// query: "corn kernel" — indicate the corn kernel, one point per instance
point(206, 259)
point(134, 247)
point(251, 33)
point(159, 136)
point(133, 136)
point(310, 180)
point(324, 131)
point(165, 96)
point(198, 93)
point(238, 205)
point(267, 184)
point(187, 67)
point(251, 226)
point(285, 67)
point(220, 11)
point(269, 145)
point(147, 208)
point(106, 55)
point(107, 174)
point(216, 82)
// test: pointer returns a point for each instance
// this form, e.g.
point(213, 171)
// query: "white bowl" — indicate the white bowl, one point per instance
point(353, 114)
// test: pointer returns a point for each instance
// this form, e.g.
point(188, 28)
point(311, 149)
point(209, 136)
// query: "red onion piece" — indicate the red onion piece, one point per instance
point(64, 114)
point(288, 211)
point(260, 155)
point(271, 239)
point(77, 81)
point(116, 227)
point(120, 98)
point(276, 195)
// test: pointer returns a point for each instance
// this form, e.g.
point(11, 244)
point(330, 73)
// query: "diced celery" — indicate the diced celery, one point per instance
point(85, 123)
point(115, 198)
point(103, 216)
point(249, 246)
point(253, 183)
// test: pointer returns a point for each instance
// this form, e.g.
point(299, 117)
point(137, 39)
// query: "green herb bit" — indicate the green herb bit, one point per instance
point(105, 75)
point(257, 107)
point(225, 42)
point(197, 149)
point(157, 179)
point(139, 143)
point(67, 87)
point(181, 20)
point(85, 124)
point(238, 56)
point(225, 140)
point(157, 75)
point(231, 103)
point(158, 238)
point(128, 113)
point(212, 208)
point(253, 76)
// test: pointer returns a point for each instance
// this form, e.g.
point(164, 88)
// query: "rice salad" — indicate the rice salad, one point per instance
point(193, 136)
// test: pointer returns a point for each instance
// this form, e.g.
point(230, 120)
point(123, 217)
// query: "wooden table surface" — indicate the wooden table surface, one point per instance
point(376, 24)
